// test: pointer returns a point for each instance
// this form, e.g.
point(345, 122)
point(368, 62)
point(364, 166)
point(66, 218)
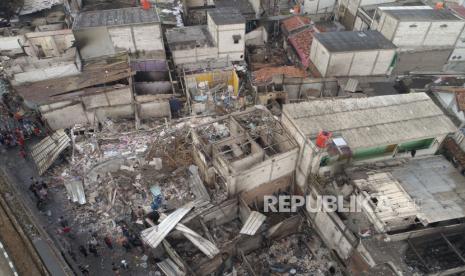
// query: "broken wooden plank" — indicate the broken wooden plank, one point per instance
point(154, 235)
point(253, 223)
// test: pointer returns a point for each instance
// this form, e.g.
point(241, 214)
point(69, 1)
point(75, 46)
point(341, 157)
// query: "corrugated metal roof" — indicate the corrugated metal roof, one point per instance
point(353, 41)
point(373, 121)
point(204, 245)
point(226, 16)
point(253, 223)
point(422, 14)
point(170, 268)
point(153, 236)
point(47, 151)
point(115, 17)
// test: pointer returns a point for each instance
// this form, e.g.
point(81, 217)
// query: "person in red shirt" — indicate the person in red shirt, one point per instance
point(22, 153)
point(21, 141)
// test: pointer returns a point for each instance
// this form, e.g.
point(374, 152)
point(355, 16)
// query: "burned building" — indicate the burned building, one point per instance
point(249, 151)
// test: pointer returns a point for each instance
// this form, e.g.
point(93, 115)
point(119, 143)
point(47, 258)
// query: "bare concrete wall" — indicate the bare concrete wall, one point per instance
point(65, 117)
point(269, 170)
point(155, 109)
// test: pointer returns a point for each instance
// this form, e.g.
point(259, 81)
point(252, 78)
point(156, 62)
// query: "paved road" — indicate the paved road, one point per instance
point(6, 265)
point(20, 171)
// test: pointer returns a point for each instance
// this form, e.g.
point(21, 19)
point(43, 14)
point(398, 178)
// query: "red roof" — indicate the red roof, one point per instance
point(295, 22)
point(457, 9)
point(302, 42)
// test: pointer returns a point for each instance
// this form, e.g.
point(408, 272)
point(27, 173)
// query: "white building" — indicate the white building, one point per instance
point(106, 32)
point(347, 10)
point(318, 9)
point(352, 53)
point(409, 27)
point(227, 27)
point(223, 37)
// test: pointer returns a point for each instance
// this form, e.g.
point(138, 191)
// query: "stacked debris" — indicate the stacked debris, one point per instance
point(121, 169)
point(295, 255)
point(266, 74)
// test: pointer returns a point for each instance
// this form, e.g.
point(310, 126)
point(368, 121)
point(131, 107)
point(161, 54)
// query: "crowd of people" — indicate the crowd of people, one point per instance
point(15, 130)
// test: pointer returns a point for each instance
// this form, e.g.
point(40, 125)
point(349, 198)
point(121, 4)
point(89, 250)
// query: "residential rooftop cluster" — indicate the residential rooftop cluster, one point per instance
point(195, 137)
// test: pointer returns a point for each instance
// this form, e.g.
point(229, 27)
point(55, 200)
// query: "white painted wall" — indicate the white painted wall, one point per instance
point(142, 38)
point(269, 170)
point(339, 64)
point(148, 37)
point(45, 73)
point(223, 38)
point(312, 7)
point(194, 55)
point(320, 57)
point(360, 63)
point(457, 55)
point(443, 33)
point(226, 45)
point(419, 33)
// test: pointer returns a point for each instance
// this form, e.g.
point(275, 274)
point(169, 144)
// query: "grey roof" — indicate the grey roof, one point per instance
point(115, 17)
point(353, 41)
point(189, 37)
point(226, 16)
point(243, 6)
point(373, 121)
point(422, 15)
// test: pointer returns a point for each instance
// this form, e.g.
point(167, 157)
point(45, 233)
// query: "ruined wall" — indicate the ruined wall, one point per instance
point(194, 55)
point(307, 160)
point(154, 109)
point(269, 170)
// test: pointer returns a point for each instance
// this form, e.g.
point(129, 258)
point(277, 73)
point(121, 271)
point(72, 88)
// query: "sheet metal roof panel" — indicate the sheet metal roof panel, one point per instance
point(153, 236)
point(253, 223)
point(373, 121)
point(412, 15)
point(115, 17)
point(348, 41)
point(226, 16)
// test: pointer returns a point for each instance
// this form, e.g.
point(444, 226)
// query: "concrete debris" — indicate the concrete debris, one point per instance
point(291, 254)
point(266, 74)
point(76, 191)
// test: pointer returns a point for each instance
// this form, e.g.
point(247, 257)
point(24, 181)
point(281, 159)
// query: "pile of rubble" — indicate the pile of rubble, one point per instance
point(120, 169)
point(293, 255)
point(266, 74)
